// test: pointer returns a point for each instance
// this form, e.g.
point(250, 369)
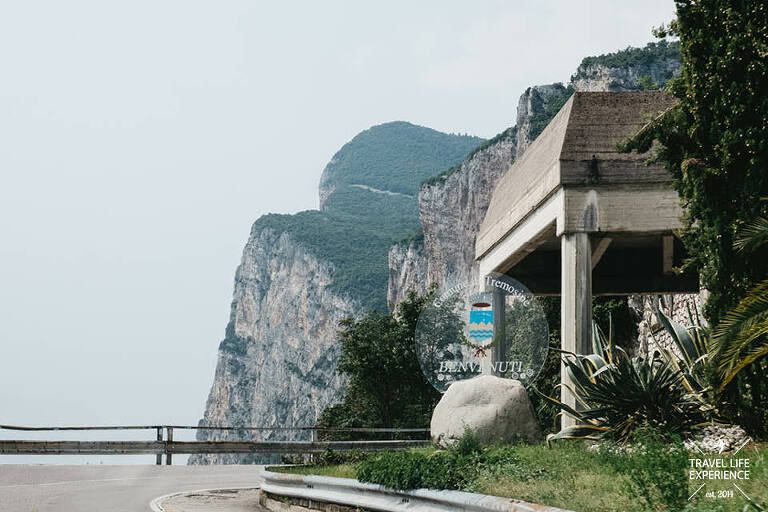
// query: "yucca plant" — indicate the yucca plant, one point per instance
point(616, 393)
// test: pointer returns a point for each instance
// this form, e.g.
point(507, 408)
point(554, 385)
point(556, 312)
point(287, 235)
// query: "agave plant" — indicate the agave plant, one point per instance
point(692, 358)
point(616, 393)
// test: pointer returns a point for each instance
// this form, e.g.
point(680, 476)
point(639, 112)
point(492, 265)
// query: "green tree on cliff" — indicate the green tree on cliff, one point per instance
point(385, 387)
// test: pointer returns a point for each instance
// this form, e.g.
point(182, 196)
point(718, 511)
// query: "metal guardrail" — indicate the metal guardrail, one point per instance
point(165, 445)
point(304, 490)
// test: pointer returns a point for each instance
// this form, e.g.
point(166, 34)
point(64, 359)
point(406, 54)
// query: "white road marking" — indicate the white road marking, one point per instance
point(66, 482)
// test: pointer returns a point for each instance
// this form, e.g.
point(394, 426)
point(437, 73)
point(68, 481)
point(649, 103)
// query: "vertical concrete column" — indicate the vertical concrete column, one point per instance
point(499, 350)
point(576, 306)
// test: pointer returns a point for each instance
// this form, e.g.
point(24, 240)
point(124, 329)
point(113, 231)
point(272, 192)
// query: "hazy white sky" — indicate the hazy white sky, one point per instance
point(139, 140)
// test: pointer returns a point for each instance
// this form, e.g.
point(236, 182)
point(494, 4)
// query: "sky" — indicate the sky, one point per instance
point(139, 141)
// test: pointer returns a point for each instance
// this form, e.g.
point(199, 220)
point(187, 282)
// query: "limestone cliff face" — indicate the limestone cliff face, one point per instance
point(537, 105)
point(600, 77)
point(451, 208)
point(276, 366)
point(631, 69)
point(407, 270)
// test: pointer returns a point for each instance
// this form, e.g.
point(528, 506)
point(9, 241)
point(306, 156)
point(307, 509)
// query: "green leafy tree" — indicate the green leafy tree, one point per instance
point(386, 387)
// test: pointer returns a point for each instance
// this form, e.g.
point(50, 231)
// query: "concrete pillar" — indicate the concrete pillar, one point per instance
point(576, 306)
point(499, 350)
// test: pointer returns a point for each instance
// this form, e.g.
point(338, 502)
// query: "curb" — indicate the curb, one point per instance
point(352, 493)
point(156, 505)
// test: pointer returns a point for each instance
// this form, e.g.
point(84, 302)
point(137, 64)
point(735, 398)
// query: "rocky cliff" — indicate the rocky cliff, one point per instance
point(452, 205)
point(276, 366)
point(407, 269)
point(451, 208)
point(630, 69)
point(537, 106)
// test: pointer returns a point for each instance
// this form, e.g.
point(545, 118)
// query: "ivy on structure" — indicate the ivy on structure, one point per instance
point(714, 142)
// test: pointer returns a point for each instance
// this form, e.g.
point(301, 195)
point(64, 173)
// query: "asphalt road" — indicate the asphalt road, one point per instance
point(96, 488)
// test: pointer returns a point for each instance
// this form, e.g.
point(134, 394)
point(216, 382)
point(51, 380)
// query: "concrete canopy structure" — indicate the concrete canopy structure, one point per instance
point(574, 217)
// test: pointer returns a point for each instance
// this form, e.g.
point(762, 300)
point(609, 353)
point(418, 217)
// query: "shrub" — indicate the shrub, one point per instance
point(741, 338)
point(331, 457)
point(610, 313)
point(456, 468)
point(385, 384)
point(469, 444)
point(398, 470)
point(448, 469)
point(736, 351)
point(632, 57)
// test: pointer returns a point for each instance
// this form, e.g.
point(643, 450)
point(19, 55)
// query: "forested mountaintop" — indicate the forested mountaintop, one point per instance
point(394, 157)
point(368, 197)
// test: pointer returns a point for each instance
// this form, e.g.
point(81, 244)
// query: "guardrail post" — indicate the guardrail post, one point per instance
point(159, 456)
point(314, 440)
point(168, 443)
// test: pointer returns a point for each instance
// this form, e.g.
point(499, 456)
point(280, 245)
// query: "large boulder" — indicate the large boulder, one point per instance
point(495, 409)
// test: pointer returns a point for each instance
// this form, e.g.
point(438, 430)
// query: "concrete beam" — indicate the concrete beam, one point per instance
point(525, 237)
point(599, 250)
point(636, 208)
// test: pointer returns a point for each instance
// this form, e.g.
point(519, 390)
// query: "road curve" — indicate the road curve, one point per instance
point(95, 488)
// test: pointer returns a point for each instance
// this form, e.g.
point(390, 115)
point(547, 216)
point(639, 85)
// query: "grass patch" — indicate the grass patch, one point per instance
point(336, 470)
point(568, 476)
